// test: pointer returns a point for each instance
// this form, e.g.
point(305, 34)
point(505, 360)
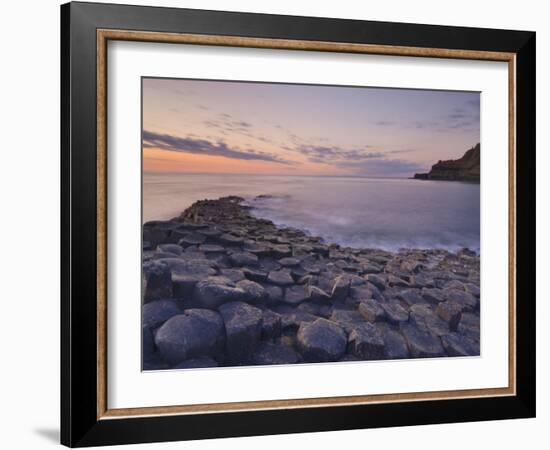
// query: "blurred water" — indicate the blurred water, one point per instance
point(357, 212)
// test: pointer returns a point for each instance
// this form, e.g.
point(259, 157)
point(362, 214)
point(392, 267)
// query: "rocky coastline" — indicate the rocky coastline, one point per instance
point(224, 288)
point(466, 168)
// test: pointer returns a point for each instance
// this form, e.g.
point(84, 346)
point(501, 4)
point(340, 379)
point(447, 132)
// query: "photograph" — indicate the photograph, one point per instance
point(299, 223)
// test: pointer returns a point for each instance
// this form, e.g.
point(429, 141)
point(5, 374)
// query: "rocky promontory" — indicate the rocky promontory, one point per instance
point(466, 168)
point(224, 288)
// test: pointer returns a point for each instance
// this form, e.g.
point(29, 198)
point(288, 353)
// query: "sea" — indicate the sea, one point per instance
point(387, 213)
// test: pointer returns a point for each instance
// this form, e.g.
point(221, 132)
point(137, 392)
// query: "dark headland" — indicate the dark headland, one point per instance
point(224, 288)
point(466, 168)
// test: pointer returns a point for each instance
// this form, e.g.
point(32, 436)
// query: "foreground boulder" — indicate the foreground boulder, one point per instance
point(321, 341)
point(157, 281)
point(214, 291)
point(243, 327)
point(195, 333)
point(421, 344)
point(156, 313)
point(269, 353)
point(366, 342)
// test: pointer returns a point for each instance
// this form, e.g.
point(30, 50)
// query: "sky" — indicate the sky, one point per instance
point(202, 126)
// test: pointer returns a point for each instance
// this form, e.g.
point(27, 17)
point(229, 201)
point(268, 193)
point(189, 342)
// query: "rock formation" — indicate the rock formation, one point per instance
point(466, 168)
point(224, 288)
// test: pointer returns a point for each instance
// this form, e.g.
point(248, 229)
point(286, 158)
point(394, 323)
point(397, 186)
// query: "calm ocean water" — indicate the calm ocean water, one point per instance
point(356, 212)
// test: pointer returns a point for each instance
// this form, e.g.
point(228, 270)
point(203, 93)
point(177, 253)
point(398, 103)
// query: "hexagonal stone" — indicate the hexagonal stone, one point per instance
point(234, 275)
point(410, 296)
point(366, 342)
point(230, 239)
point(321, 340)
point(395, 346)
point(371, 310)
point(196, 332)
point(243, 328)
point(280, 278)
point(458, 345)
point(269, 353)
point(434, 296)
point(296, 294)
point(157, 281)
point(421, 344)
point(186, 273)
point(211, 248)
point(271, 324)
point(468, 302)
point(377, 281)
point(192, 239)
point(427, 320)
point(317, 294)
point(170, 248)
point(347, 319)
point(395, 313)
point(289, 262)
point(340, 288)
point(239, 259)
point(469, 326)
point(156, 313)
point(254, 274)
point(254, 292)
point(215, 291)
point(451, 312)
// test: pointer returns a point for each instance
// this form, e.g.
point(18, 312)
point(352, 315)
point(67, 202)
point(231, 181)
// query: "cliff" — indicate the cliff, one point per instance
point(463, 169)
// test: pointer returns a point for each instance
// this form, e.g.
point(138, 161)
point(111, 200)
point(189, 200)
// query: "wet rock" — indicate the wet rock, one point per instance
point(421, 344)
point(280, 278)
point(317, 294)
point(255, 274)
point(468, 302)
point(450, 312)
point(274, 294)
point(187, 272)
point(459, 345)
point(196, 363)
point(395, 346)
point(395, 313)
point(291, 321)
point(371, 311)
point(347, 319)
point(433, 296)
point(192, 239)
point(269, 353)
point(243, 327)
point(289, 262)
point(472, 289)
point(377, 281)
point(234, 275)
point(427, 321)
point(174, 249)
point(296, 294)
point(157, 281)
point(211, 248)
point(196, 332)
point(397, 282)
point(280, 251)
point(410, 297)
point(271, 325)
point(321, 340)
point(340, 288)
point(239, 259)
point(254, 292)
point(230, 239)
point(215, 291)
point(469, 326)
point(366, 342)
point(156, 313)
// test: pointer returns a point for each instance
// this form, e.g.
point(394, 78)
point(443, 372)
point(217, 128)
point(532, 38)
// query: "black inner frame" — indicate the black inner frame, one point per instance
point(79, 424)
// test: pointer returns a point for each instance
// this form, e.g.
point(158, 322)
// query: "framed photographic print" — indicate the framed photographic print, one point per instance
point(276, 224)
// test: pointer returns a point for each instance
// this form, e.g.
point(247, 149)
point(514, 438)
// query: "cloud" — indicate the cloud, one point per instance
point(321, 153)
point(383, 167)
point(205, 147)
